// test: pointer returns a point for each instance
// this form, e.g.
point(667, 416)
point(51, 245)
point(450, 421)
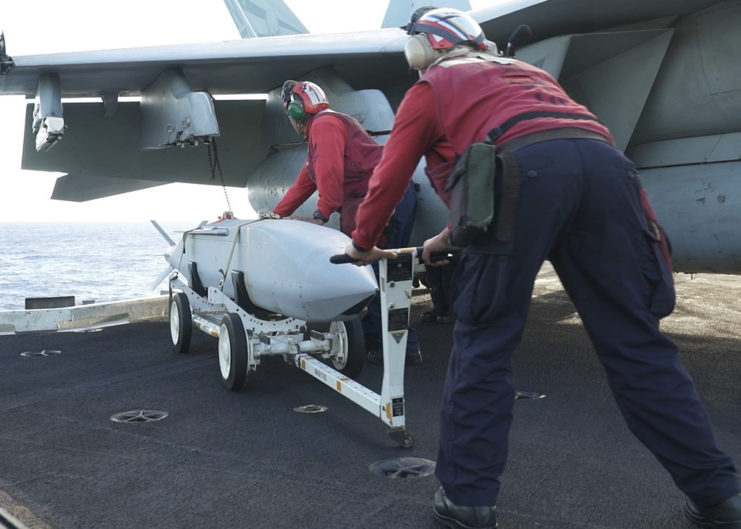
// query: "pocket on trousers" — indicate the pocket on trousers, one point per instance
point(659, 278)
point(476, 289)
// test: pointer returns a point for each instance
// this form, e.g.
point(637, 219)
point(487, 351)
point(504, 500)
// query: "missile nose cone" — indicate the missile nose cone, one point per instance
point(289, 272)
point(336, 292)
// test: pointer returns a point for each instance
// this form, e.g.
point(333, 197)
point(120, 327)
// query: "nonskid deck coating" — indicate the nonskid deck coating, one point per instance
point(222, 459)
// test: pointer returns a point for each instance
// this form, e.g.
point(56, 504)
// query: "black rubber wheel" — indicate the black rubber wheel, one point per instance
point(407, 441)
point(402, 437)
point(351, 357)
point(181, 323)
point(232, 352)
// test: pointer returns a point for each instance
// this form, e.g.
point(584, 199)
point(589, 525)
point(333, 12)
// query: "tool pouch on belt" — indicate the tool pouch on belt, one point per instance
point(471, 186)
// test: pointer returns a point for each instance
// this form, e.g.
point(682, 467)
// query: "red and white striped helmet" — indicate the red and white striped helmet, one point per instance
point(446, 27)
point(312, 96)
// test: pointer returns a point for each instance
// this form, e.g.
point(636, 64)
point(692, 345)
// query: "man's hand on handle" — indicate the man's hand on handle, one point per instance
point(363, 258)
point(438, 243)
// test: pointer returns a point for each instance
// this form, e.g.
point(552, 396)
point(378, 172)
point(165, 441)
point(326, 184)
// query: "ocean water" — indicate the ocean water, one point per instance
point(92, 261)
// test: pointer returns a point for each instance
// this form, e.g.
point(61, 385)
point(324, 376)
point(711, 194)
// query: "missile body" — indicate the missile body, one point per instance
point(284, 265)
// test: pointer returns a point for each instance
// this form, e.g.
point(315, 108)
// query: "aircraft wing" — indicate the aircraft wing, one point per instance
point(371, 58)
point(238, 66)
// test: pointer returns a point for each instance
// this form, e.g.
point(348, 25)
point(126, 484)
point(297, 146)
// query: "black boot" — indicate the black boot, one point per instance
point(726, 515)
point(463, 516)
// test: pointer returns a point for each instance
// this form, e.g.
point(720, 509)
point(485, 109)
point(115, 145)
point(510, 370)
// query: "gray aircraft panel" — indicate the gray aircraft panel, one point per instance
point(697, 93)
point(686, 151)
point(86, 151)
point(633, 66)
point(702, 210)
point(590, 66)
point(79, 188)
point(559, 17)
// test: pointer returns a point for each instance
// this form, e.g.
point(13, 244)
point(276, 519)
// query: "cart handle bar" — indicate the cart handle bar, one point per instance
point(440, 255)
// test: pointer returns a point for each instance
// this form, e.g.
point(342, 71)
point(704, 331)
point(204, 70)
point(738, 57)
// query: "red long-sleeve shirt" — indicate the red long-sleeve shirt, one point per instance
point(339, 163)
point(416, 131)
point(327, 140)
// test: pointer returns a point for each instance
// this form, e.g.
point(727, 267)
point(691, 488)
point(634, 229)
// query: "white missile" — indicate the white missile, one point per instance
point(274, 266)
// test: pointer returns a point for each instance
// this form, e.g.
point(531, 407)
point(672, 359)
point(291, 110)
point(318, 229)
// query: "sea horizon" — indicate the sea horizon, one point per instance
point(100, 261)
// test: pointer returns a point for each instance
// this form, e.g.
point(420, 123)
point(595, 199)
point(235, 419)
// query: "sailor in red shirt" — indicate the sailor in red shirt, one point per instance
point(341, 156)
point(339, 162)
point(564, 193)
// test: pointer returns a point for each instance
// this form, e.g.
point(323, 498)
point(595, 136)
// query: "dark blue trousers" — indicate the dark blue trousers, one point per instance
point(579, 207)
point(398, 233)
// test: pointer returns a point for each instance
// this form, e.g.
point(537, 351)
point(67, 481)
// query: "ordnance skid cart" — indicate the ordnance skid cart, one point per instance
point(332, 352)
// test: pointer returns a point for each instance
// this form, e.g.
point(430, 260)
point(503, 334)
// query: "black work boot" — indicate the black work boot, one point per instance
point(463, 516)
point(726, 515)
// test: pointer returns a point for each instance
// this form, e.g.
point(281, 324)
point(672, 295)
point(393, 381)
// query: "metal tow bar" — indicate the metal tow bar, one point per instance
point(395, 283)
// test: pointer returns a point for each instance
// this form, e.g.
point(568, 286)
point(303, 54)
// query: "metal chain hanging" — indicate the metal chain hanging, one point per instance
point(213, 165)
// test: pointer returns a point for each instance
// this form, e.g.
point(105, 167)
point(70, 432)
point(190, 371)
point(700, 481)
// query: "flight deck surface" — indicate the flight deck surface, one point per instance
point(222, 459)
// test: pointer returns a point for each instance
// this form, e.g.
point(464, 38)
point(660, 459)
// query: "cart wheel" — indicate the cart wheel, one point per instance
point(349, 351)
point(407, 441)
point(232, 352)
point(181, 323)
point(402, 437)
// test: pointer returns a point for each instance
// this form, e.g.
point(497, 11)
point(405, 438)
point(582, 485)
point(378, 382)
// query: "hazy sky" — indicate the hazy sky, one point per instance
point(50, 26)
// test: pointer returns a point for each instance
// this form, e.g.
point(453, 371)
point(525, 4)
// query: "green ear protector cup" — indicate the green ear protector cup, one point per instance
point(296, 111)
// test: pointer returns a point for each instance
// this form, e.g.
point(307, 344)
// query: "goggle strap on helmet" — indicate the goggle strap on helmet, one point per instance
point(285, 92)
point(453, 37)
point(409, 27)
